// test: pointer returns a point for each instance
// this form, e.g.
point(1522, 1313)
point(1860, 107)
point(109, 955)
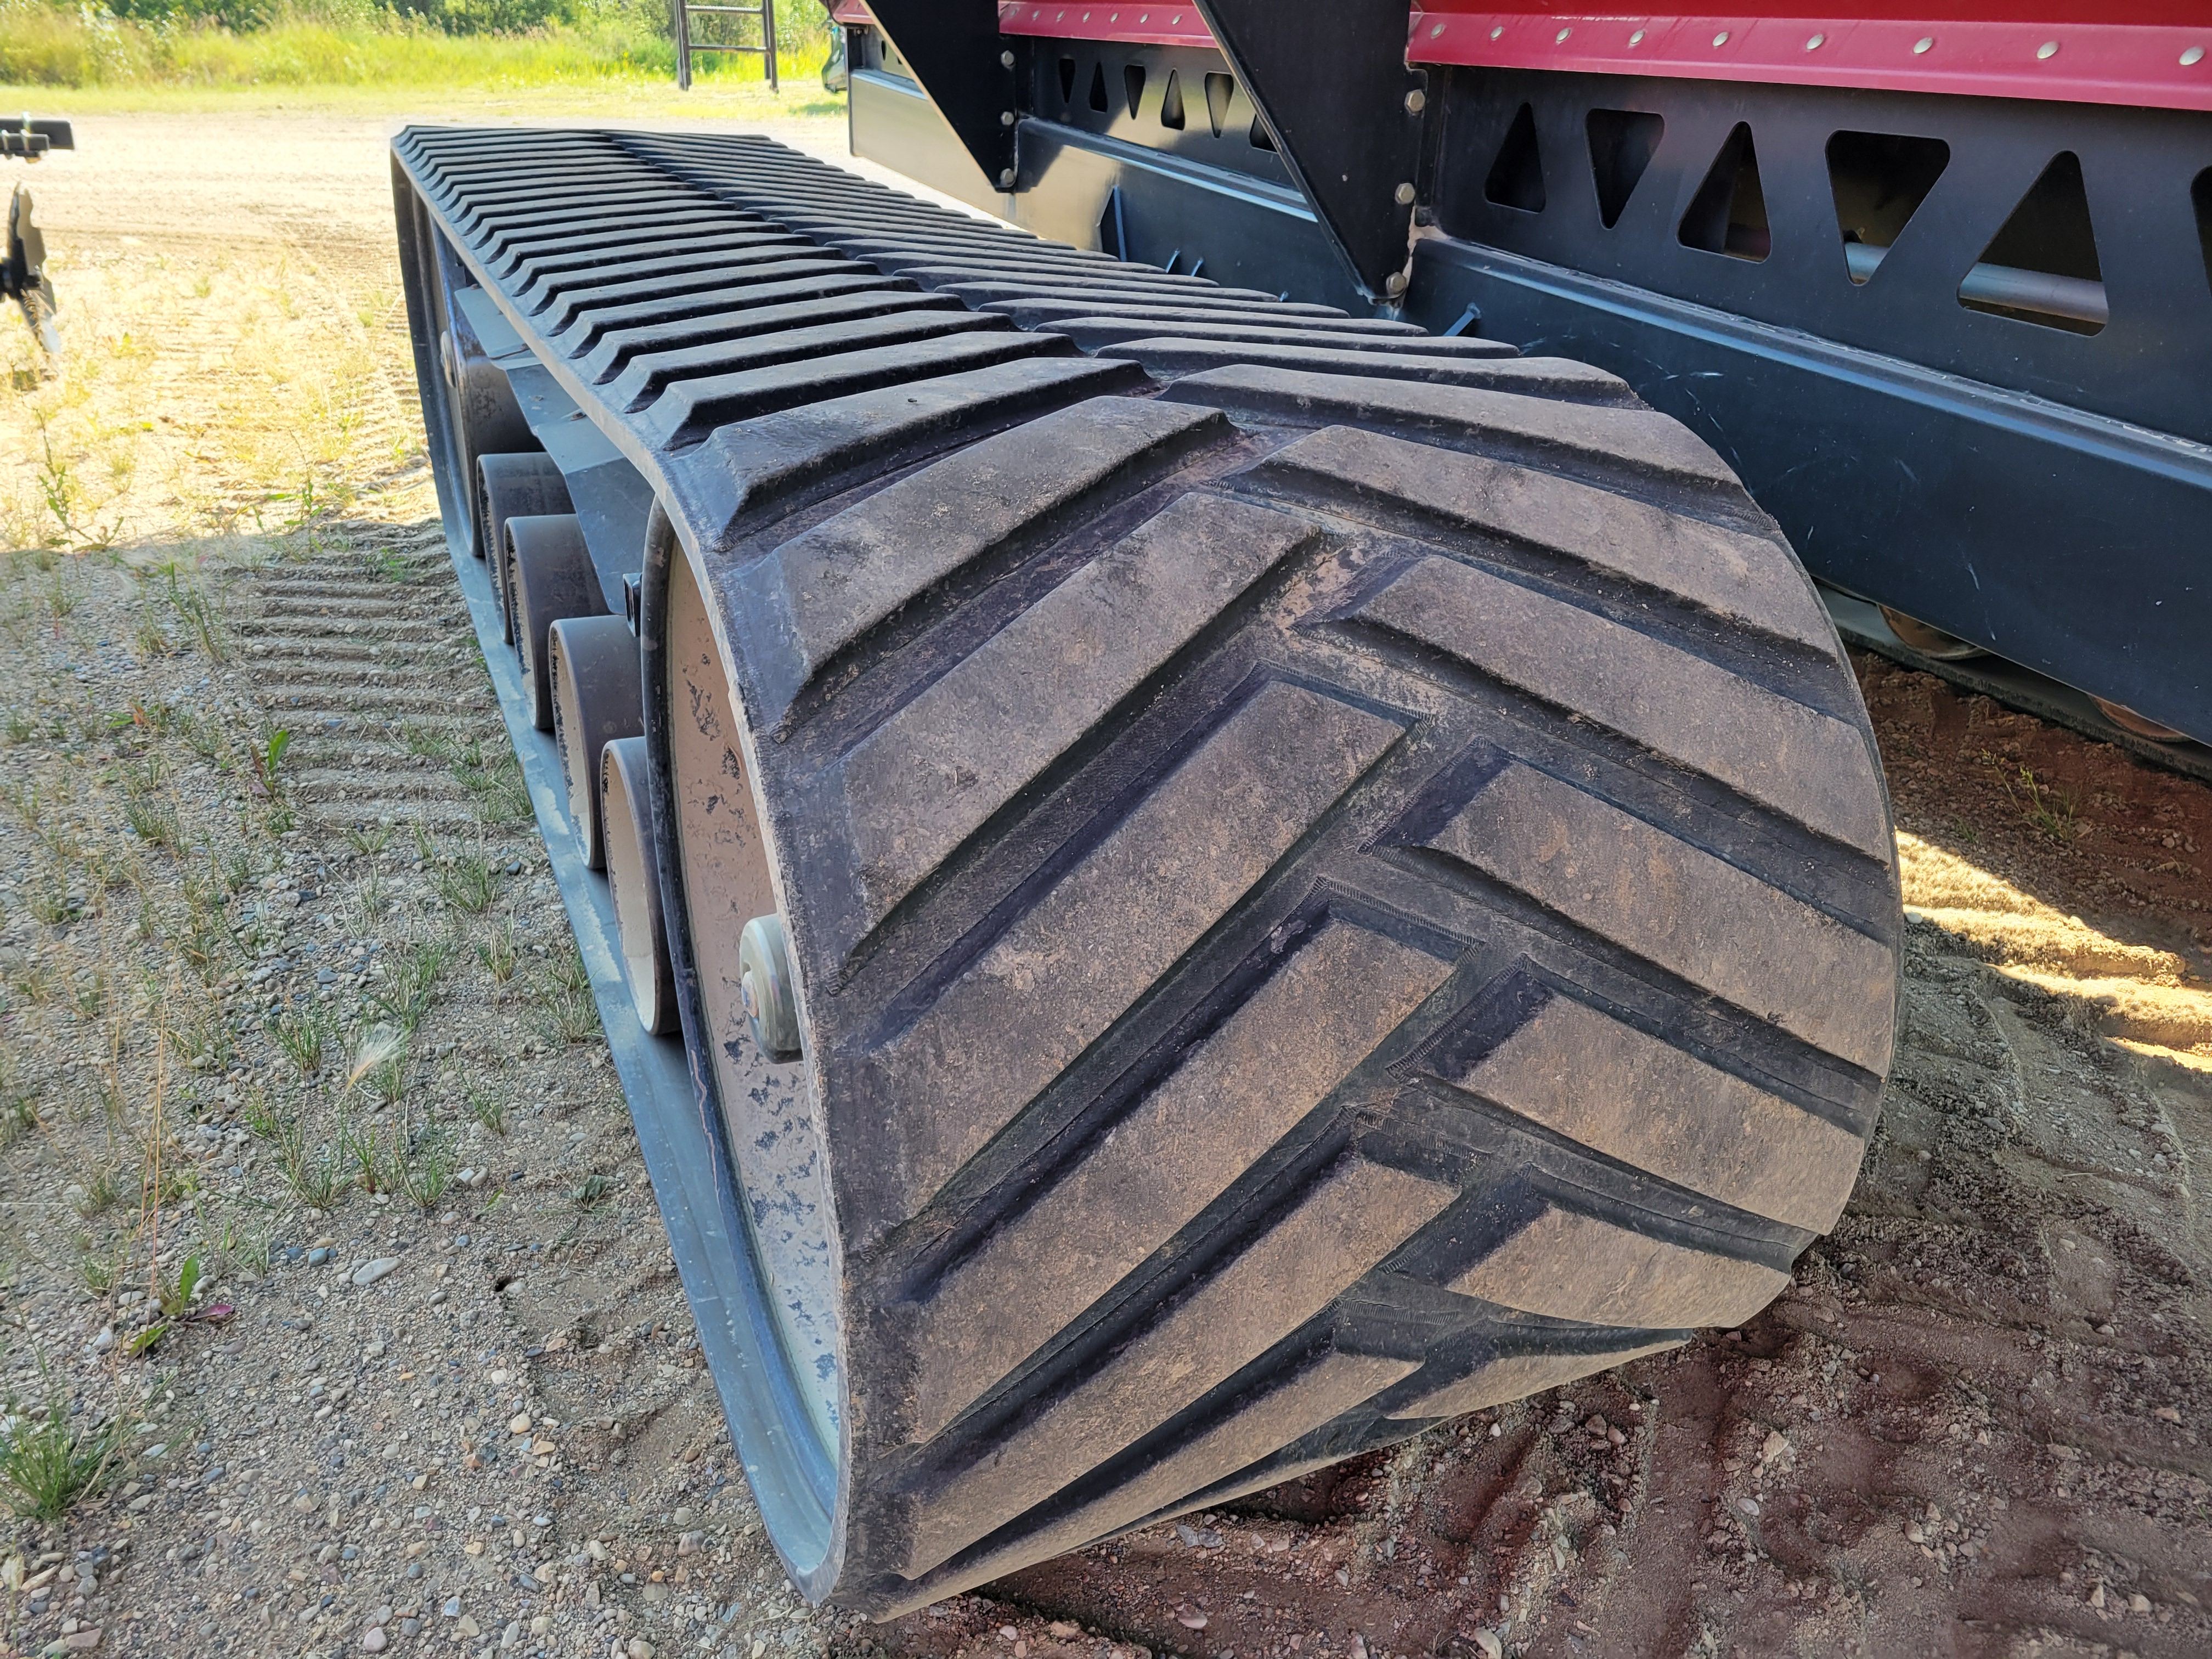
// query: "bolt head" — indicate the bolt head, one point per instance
point(1006, 60)
point(1006, 178)
point(1416, 101)
point(1403, 195)
point(1005, 117)
point(1397, 282)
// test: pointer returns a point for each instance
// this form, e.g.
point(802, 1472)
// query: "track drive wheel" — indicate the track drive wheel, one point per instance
point(1311, 905)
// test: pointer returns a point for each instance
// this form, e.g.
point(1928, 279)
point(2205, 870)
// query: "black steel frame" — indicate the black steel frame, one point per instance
point(2039, 491)
point(2031, 482)
point(1123, 183)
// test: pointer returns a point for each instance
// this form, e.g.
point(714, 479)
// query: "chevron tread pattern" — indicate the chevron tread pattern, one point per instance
point(1341, 889)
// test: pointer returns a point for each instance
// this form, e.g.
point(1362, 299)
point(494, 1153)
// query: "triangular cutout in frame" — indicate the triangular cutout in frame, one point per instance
point(1727, 215)
point(1516, 176)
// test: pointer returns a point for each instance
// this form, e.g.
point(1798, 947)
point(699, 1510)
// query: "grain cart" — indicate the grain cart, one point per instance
point(1221, 827)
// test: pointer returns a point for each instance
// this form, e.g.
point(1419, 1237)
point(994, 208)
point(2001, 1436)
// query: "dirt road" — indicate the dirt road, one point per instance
point(1974, 1425)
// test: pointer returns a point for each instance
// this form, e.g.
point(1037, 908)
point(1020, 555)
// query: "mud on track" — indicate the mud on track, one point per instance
point(1973, 1425)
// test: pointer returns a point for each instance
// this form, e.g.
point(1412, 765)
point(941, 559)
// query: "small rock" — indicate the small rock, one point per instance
point(1191, 1620)
point(518, 1424)
point(373, 1640)
point(1060, 1631)
point(511, 1638)
point(683, 1515)
point(468, 1625)
point(373, 1350)
point(639, 1648)
point(1491, 1646)
point(317, 1257)
point(1774, 1447)
point(369, 1271)
point(83, 1641)
point(452, 1608)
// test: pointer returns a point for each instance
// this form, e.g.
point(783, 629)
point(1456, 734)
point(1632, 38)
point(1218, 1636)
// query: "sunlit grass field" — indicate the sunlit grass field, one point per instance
point(92, 60)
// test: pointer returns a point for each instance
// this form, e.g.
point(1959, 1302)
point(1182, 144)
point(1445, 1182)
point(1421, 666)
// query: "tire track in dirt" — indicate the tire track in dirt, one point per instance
point(368, 659)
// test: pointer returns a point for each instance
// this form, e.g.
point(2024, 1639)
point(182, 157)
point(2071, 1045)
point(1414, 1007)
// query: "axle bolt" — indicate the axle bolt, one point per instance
point(764, 983)
point(1404, 194)
point(1416, 101)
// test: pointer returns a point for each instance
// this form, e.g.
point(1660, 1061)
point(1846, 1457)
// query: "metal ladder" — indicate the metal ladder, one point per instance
point(686, 11)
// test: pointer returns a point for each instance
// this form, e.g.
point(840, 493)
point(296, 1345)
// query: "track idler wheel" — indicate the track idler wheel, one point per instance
point(511, 486)
point(553, 579)
point(593, 664)
point(1308, 906)
point(634, 878)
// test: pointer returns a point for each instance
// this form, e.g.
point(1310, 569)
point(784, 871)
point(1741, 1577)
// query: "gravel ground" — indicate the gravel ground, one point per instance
point(462, 1413)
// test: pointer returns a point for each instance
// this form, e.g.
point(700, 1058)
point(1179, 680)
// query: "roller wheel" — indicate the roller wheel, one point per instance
point(509, 486)
point(2140, 726)
point(634, 878)
point(1931, 642)
point(591, 662)
point(1311, 905)
point(553, 580)
point(487, 422)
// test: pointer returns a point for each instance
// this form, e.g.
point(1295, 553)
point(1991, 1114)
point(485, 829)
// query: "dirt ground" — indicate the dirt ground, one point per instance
point(1972, 1425)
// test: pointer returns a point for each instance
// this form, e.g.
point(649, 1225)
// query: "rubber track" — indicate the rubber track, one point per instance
point(1346, 887)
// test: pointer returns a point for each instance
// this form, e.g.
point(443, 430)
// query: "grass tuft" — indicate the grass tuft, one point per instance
point(50, 1457)
point(563, 991)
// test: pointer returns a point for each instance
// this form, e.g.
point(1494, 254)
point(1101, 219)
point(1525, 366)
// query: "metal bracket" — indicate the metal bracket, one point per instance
point(957, 53)
point(26, 140)
point(1332, 84)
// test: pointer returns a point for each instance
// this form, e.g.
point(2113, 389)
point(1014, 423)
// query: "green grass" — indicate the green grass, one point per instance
point(48, 1459)
point(46, 46)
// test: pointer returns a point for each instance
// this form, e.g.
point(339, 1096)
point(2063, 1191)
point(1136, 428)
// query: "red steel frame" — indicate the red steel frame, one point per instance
point(2156, 58)
point(2155, 53)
